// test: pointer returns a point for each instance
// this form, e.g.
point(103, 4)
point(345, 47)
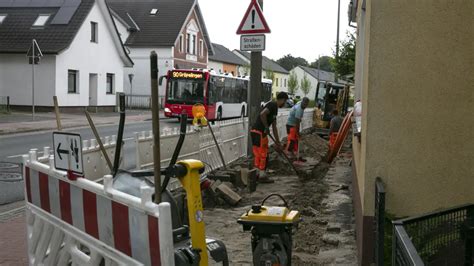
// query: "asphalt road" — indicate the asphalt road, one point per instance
point(13, 146)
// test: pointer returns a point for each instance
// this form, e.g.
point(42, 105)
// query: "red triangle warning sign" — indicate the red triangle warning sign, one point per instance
point(253, 21)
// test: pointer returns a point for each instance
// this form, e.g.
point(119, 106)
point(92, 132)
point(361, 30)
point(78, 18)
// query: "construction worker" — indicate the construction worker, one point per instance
point(261, 129)
point(293, 129)
point(334, 126)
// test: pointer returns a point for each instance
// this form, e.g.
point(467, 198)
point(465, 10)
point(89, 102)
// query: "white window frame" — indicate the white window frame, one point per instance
point(37, 20)
point(95, 37)
point(201, 47)
point(188, 43)
point(76, 82)
point(107, 84)
point(154, 11)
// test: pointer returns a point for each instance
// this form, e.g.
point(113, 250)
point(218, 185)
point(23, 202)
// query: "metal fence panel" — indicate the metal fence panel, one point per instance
point(439, 238)
point(379, 221)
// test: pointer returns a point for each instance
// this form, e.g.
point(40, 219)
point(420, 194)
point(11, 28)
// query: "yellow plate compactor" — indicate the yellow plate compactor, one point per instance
point(272, 230)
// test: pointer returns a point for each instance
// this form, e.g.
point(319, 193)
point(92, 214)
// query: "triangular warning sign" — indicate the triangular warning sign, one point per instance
point(34, 50)
point(253, 21)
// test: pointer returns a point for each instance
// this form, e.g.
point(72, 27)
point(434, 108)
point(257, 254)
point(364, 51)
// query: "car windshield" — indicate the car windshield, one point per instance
point(186, 91)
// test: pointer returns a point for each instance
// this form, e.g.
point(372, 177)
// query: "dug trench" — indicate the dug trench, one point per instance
point(309, 193)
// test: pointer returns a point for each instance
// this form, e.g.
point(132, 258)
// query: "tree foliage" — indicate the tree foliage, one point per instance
point(292, 83)
point(269, 74)
point(289, 62)
point(305, 85)
point(325, 62)
point(345, 64)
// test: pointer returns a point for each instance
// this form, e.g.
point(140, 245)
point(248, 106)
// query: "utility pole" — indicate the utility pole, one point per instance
point(254, 97)
point(337, 38)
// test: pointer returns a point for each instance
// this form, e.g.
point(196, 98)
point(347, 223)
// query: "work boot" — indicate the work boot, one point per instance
point(263, 178)
point(301, 159)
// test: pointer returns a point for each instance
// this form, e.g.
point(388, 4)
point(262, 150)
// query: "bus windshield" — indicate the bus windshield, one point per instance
point(185, 91)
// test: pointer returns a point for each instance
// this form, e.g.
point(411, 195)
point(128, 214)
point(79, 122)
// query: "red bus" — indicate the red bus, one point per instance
point(223, 95)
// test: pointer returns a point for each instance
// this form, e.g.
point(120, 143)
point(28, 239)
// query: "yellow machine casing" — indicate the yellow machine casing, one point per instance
point(272, 215)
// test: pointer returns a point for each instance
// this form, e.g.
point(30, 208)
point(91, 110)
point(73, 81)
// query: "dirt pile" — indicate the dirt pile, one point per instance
point(305, 193)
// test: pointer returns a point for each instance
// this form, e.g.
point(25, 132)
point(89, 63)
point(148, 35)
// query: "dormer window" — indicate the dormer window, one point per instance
point(41, 20)
point(154, 11)
point(2, 18)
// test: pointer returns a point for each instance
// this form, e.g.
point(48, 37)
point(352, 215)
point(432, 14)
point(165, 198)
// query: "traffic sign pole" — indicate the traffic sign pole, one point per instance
point(255, 93)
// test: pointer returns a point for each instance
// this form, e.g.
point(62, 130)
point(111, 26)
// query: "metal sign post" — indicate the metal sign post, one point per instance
point(34, 54)
point(254, 22)
point(155, 114)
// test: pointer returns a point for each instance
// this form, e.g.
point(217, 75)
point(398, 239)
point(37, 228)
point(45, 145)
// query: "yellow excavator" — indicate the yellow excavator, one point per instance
point(330, 96)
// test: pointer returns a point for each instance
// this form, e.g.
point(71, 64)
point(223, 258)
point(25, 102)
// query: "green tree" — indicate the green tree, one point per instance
point(292, 83)
point(246, 69)
point(270, 75)
point(345, 64)
point(325, 63)
point(305, 85)
point(289, 62)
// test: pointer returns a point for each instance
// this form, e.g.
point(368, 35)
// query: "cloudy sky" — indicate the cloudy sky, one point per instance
point(305, 28)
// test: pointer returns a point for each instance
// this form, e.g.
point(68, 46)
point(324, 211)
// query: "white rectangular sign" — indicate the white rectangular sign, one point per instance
point(68, 152)
point(253, 43)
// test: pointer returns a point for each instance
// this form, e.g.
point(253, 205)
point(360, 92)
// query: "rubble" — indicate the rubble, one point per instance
point(321, 236)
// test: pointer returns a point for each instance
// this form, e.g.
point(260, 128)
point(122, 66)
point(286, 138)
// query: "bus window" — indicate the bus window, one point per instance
point(217, 88)
point(186, 91)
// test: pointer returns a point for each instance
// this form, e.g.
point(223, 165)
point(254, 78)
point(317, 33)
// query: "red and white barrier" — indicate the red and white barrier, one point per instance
point(115, 226)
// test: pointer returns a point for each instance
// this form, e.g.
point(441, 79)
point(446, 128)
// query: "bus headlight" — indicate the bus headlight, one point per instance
point(167, 110)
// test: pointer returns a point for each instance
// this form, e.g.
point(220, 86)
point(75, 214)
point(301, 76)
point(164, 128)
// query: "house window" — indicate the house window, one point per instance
point(181, 43)
point(41, 20)
point(276, 82)
point(110, 83)
point(188, 43)
point(2, 18)
point(94, 32)
point(153, 11)
point(201, 48)
point(194, 44)
point(72, 77)
point(285, 82)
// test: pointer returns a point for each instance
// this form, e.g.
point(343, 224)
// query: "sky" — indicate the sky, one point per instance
point(302, 28)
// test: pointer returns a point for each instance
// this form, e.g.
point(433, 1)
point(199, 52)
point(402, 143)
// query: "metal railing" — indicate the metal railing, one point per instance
point(4, 104)
point(379, 221)
point(141, 102)
point(137, 101)
point(439, 238)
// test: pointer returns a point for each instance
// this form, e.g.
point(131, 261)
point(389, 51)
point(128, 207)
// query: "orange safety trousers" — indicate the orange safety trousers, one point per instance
point(293, 137)
point(260, 149)
point(332, 139)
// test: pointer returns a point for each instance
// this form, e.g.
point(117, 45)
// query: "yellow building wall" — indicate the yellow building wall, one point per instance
point(418, 105)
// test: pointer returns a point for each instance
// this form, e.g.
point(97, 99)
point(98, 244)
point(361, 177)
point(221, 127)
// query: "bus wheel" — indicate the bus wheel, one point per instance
point(219, 114)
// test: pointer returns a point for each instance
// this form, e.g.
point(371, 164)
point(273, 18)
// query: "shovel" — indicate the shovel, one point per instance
point(285, 156)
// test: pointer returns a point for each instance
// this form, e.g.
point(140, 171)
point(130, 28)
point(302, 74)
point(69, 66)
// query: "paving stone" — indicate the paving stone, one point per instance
point(228, 194)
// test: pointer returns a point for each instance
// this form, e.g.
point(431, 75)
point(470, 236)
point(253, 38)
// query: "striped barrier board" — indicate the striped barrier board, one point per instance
point(127, 228)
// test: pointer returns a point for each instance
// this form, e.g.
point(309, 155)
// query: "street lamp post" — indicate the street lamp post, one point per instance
point(337, 38)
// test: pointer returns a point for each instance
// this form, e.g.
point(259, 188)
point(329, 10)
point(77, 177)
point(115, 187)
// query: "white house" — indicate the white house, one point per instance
point(313, 75)
point(83, 60)
point(270, 67)
point(174, 29)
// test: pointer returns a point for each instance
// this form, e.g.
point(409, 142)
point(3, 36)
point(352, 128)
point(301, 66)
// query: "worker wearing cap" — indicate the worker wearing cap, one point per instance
point(293, 128)
point(260, 130)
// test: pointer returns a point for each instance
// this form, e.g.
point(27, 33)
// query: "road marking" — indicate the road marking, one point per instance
point(40, 152)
